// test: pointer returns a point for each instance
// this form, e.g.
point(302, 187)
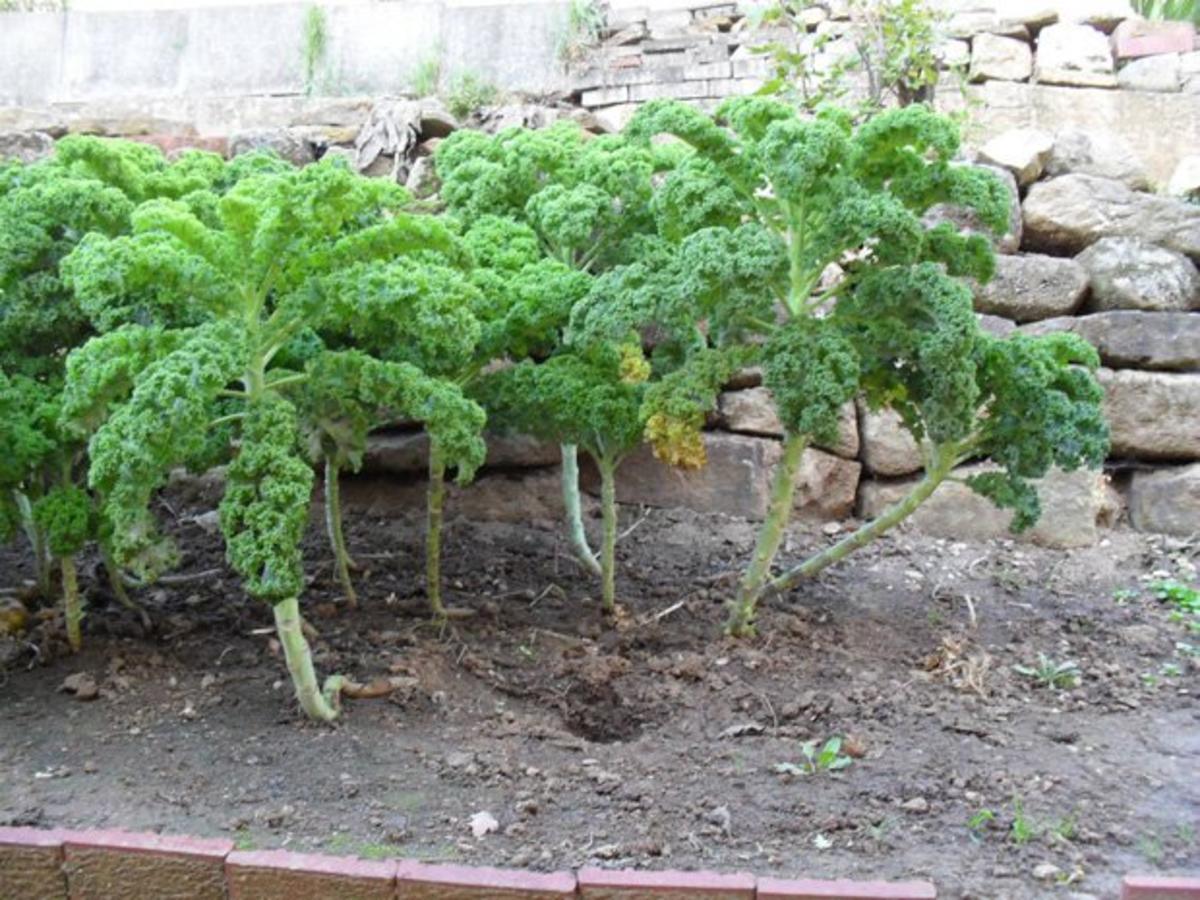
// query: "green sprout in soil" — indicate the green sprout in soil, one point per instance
point(828, 759)
point(1048, 673)
point(1023, 828)
point(1121, 596)
point(1184, 598)
point(979, 822)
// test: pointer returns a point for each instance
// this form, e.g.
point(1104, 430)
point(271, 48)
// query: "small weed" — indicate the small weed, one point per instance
point(1023, 829)
point(1051, 674)
point(1185, 833)
point(1151, 847)
point(1121, 596)
point(468, 93)
point(1184, 598)
point(1065, 828)
point(828, 759)
point(243, 840)
point(426, 76)
point(316, 42)
point(1170, 670)
point(1149, 679)
point(585, 21)
point(979, 822)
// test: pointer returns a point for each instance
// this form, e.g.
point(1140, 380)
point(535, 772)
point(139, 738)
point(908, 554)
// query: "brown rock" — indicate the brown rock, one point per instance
point(1031, 286)
point(1129, 339)
point(1074, 504)
point(1166, 500)
point(501, 496)
point(407, 452)
point(290, 144)
point(888, 448)
point(752, 411)
point(1152, 415)
point(1069, 213)
point(25, 146)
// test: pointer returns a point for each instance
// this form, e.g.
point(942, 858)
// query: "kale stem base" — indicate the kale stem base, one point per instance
point(435, 504)
point(72, 604)
point(321, 704)
point(337, 539)
point(608, 506)
point(574, 510)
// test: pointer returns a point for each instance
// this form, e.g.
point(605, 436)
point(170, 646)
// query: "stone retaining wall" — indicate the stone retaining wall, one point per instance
point(1091, 119)
point(38, 864)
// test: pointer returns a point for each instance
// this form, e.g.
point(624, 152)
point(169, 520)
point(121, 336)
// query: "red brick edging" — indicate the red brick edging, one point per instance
point(39, 864)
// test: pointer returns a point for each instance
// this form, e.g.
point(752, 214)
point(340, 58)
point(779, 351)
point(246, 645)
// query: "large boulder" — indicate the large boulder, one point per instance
point(1066, 214)
point(407, 452)
point(1022, 151)
point(1074, 55)
point(1030, 287)
point(1152, 415)
point(1185, 180)
point(1166, 500)
point(966, 220)
point(736, 480)
point(752, 411)
point(1129, 273)
point(1074, 505)
point(1152, 73)
point(1101, 153)
point(25, 146)
point(290, 144)
point(888, 448)
point(997, 57)
point(1129, 339)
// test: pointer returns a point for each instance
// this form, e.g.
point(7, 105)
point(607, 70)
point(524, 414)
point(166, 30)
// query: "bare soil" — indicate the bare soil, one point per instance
point(652, 742)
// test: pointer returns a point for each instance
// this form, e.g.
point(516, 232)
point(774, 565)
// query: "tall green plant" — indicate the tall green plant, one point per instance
point(258, 264)
point(316, 45)
point(896, 325)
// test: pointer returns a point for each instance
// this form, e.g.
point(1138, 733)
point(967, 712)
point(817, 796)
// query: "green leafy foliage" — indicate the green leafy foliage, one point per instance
point(828, 758)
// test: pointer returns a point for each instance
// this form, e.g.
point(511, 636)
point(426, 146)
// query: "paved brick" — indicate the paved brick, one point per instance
point(806, 889)
point(418, 881)
point(281, 875)
point(31, 864)
point(102, 865)
point(1146, 887)
point(628, 884)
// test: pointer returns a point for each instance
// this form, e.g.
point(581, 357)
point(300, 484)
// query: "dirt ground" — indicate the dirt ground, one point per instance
point(655, 743)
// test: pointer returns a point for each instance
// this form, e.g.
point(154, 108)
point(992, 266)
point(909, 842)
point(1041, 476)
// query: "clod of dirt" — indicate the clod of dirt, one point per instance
point(1046, 871)
point(82, 685)
point(483, 823)
point(915, 805)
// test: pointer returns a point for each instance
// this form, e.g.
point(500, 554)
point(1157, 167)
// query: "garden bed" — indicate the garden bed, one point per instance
point(654, 743)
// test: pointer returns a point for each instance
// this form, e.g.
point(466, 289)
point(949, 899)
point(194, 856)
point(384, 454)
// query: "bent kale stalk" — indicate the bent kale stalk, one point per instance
point(254, 260)
point(824, 258)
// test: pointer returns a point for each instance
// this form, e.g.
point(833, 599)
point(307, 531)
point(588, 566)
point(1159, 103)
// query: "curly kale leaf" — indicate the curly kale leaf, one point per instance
point(265, 507)
point(65, 515)
point(812, 370)
point(675, 406)
point(161, 425)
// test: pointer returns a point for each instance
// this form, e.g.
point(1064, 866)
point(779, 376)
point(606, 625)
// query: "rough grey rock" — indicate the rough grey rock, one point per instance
point(1152, 415)
point(286, 142)
point(1074, 505)
point(1129, 339)
point(966, 220)
point(25, 146)
point(1129, 273)
point(752, 411)
point(1002, 58)
point(1030, 287)
point(422, 178)
point(1067, 214)
point(1074, 54)
point(888, 448)
point(1152, 73)
point(1103, 14)
point(407, 452)
point(1100, 153)
point(1022, 151)
point(436, 120)
point(1166, 500)
point(736, 480)
point(997, 326)
point(1185, 180)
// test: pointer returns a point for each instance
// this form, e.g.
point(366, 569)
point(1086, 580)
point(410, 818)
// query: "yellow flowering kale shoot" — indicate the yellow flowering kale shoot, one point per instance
point(264, 263)
point(554, 218)
point(816, 262)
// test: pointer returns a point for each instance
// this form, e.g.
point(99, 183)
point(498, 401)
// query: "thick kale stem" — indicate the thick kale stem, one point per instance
point(72, 604)
point(322, 705)
point(433, 531)
point(337, 540)
point(608, 507)
point(943, 461)
point(37, 542)
point(574, 509)
point(770, 537)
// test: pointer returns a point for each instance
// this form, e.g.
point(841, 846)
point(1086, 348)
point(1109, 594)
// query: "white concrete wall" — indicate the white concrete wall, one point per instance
point(82, 55)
